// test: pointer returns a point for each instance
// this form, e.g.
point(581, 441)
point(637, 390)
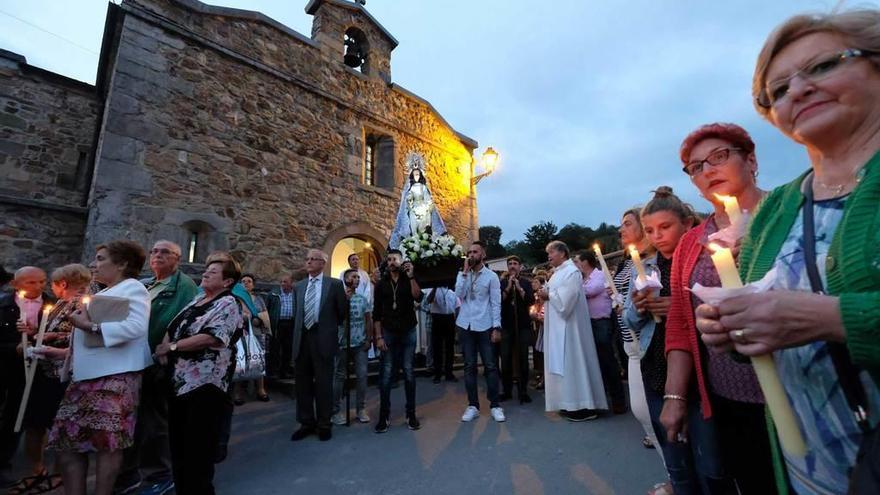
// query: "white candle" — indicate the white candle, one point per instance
point(731, 207)
point(640, 269)
point(609, 280)
point(765, 368)
point(31, 369)
point(24, 336)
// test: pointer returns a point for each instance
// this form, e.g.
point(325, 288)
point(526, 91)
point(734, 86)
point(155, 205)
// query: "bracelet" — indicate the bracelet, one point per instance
point(675, 397)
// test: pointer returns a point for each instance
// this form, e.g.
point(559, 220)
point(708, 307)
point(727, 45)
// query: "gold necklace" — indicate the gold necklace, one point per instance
point(838, 189)
point(393, 293)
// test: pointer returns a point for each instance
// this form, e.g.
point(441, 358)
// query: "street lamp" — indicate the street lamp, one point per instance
point(489, 161)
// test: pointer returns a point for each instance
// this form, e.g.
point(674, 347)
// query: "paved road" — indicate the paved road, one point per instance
point(532, 453)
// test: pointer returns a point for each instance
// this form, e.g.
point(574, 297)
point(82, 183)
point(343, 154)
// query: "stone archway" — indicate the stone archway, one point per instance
point(359, 231)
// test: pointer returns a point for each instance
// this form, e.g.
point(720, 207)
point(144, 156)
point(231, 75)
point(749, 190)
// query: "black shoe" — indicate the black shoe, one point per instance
point(382, 425)
point(436, 378)
point(504, 397)
point(238, 402)
point(451, 378)
point(325, 434)
point(525, 399)
point(302, 433)
point(412, 422)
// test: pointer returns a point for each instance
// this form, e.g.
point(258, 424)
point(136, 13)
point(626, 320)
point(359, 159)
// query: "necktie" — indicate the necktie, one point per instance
point(311, 316)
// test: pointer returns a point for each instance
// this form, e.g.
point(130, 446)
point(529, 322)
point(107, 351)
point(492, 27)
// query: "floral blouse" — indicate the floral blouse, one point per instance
point(58, 331)
point(220, 318)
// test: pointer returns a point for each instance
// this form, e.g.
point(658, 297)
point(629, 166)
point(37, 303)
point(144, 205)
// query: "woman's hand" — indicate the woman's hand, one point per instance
point(674, 419)
point(658, 305)
point(53, 353)
point(640, 300)
point(543, 294)
point(80, 319)
point(23, 327)
point(757, 324)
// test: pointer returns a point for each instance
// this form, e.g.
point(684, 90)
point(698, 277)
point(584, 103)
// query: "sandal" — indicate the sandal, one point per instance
point(46, 484)
point(647, 443)
point(28, 484)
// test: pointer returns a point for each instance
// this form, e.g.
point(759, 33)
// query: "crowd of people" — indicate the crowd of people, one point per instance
point(151, 394)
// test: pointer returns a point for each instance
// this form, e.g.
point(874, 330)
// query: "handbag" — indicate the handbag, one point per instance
point(250, 359)
point(865, 474)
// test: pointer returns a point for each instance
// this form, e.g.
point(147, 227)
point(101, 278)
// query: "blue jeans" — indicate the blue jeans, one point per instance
point(400, 353)
point(694, 467)
point(471, 344)
point(359, 356)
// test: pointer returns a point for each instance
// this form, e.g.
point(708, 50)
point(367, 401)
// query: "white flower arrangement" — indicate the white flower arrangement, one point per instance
point(427, 250)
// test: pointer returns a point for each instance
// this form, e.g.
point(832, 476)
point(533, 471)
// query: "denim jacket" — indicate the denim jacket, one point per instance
point(641, 325)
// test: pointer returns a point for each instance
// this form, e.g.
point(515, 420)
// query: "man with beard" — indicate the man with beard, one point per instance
point(516, 298)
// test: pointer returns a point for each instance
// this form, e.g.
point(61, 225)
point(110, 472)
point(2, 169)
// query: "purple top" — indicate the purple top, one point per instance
point(598, 301)
point(727, 378)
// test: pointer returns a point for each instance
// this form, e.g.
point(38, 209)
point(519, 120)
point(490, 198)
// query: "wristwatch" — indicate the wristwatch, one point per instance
point(96, 327)
point(173, 347)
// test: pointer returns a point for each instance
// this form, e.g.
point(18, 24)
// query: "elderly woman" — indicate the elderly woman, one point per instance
point(99, 408)
point(69, 283)
point(262, 330)
point(817, 80)
point(720, 160)
point(199, 349)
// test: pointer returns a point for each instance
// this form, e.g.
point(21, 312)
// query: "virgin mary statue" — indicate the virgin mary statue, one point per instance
point(417, 212)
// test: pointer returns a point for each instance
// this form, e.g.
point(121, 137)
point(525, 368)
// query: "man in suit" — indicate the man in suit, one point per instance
point(320, 307)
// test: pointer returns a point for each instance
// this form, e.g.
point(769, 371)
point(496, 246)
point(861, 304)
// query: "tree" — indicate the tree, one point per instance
point(491, 235)
point(576, 236)
point(536, 239)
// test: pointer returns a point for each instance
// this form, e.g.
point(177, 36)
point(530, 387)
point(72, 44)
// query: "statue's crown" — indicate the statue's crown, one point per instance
point(415, 160)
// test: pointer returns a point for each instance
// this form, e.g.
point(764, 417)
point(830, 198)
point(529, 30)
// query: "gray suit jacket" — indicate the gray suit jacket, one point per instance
point(332, 313)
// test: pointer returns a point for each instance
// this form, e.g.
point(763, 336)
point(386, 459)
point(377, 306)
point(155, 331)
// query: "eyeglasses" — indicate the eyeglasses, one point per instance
point(163, 252)
point(777, 90)
point(715, 158)
point(315, 259)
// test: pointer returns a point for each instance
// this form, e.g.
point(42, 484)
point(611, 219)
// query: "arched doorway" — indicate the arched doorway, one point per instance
point(352, 245)
point(360, 238)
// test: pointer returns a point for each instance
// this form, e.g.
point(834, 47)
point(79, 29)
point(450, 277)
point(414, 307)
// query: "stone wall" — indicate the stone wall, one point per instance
point(227, 120)
point(47, 132)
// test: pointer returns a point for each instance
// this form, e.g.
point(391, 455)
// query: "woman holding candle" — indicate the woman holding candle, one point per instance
point(69, 283)
point(720, 161)
point(99, 408)
point(599, 305)
point(692, 466)
point(818, 81)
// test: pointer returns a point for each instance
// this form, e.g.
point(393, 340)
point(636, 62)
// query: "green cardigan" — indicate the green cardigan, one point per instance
point(180, 291)
point(852, 267)
point(853, 262)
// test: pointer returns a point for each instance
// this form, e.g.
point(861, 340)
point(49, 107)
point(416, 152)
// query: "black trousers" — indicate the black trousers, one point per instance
point(151, 449)
point(11, 389)
point(314, 384)
point(443, 343)
point(280, 348)
point(194, 423)
point(515, 356)
point(744, 444)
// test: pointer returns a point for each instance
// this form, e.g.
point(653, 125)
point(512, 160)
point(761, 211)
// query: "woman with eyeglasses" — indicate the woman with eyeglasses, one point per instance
point(720, 160)
point(817, 80)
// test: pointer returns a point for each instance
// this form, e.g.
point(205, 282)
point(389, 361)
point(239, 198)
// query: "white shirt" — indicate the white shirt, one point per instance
point(480, 295)
point(445, 301)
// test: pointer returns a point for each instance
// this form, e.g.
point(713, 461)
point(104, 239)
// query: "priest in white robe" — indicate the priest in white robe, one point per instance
point(572, 378)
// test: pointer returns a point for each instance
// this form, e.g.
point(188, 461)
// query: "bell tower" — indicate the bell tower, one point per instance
point(346, 32)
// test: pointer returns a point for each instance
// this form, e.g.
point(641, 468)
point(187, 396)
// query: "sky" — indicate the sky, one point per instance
point(586, 101)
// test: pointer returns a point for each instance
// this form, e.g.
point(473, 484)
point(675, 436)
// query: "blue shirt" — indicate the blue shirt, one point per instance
point(286, 305)
point(480, 296)
point(808, 375)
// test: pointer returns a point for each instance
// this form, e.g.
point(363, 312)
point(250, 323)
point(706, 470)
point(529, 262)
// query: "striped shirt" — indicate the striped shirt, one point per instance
point(621, 283)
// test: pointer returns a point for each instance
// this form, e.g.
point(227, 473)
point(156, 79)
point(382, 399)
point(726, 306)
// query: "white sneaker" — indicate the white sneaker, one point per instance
point(338, 419)
point(363, 417)
point(498, 414)
point(470, 414)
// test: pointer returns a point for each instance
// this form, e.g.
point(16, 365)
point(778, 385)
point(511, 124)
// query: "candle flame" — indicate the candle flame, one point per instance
point(48, 308)
point(725, 199)
point(715, 247)
point(632, 247)
point(21, 294)
point(596, 246)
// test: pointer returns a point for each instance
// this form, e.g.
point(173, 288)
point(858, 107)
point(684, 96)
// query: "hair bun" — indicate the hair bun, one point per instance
point(663, 192)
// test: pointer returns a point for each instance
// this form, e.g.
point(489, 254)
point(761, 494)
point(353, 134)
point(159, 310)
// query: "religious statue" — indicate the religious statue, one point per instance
point(417, 212)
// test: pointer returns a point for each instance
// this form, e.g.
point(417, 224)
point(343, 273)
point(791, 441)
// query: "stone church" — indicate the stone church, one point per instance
point(222, 129)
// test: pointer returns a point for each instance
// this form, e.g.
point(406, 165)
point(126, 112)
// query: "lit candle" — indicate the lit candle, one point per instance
point(31, 369)
point(24, 336)
point(609, 281)
point(85, 301)
point(731, 207)
point(765, 368)
point(640, 269)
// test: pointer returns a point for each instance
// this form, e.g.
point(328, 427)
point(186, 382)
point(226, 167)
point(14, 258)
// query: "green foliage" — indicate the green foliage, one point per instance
point(577, 236)
point(491, 235)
